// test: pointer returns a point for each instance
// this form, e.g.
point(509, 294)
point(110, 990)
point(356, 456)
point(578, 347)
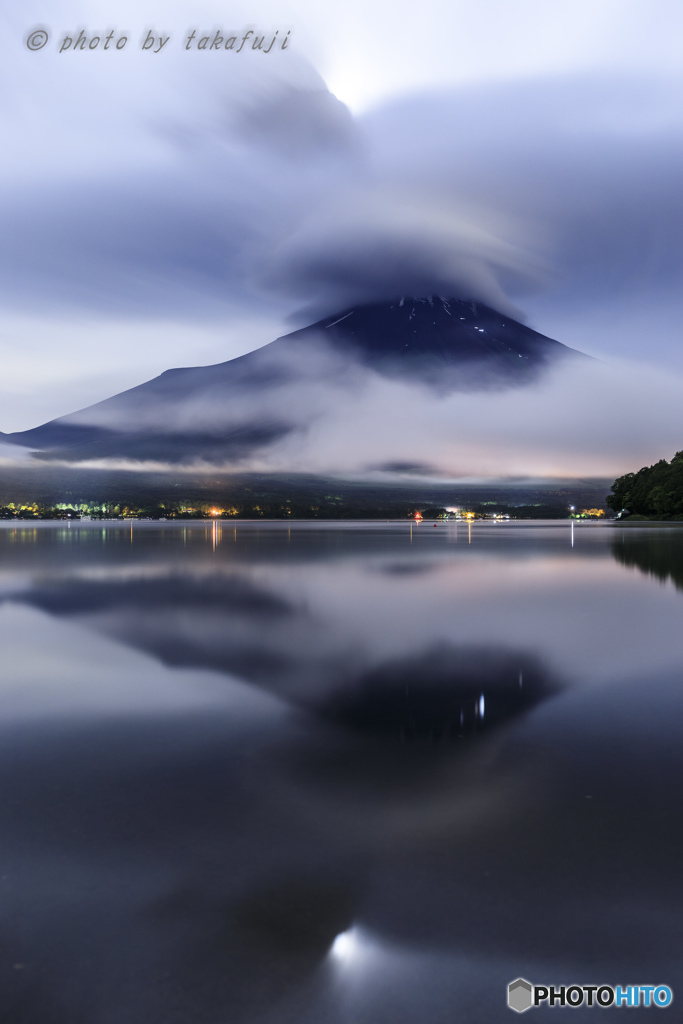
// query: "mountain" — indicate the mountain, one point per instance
point(228, 411)
point(447, 343)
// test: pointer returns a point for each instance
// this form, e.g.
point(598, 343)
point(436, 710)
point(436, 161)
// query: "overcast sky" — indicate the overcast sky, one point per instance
point(181, 207)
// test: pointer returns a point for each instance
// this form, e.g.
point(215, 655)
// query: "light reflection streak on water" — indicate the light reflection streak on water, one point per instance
point(347, 946)
point(358, 953)
point(371, 977)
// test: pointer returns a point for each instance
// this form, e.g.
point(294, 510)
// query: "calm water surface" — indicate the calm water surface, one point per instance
point(325, 773)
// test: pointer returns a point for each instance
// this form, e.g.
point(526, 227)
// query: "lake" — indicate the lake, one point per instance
point(336, 773)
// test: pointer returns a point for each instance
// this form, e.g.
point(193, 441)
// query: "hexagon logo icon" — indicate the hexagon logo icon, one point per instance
point(520, 995)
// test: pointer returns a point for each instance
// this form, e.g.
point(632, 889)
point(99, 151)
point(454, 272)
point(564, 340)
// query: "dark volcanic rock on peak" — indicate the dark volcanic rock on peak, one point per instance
point(472, 344)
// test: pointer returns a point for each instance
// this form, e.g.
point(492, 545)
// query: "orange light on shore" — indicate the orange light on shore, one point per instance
point(214, 512)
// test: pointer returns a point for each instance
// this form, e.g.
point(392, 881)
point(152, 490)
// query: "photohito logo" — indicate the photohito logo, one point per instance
point(522, 995)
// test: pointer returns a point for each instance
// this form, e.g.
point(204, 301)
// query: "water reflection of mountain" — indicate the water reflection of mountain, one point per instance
point(237, 624)
point(442, 693)
point(658, 554)
point(251, 865)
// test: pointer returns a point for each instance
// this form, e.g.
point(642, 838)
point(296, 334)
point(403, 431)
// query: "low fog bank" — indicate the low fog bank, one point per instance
point(585, 418)
point(12, 455)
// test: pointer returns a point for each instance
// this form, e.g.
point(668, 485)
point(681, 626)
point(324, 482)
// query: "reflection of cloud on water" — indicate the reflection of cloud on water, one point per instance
point(56, 670)
point(306, 611)
point(297, 914)
point(220, 867)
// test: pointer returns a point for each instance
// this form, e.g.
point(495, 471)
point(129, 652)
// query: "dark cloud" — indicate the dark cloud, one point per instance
point(299, 124)
point(385, 247)
point(409, 468)
point(567, 187)
point(276, 197)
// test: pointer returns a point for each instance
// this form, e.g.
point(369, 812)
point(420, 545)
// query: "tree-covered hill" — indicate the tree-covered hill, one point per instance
point(654, 491)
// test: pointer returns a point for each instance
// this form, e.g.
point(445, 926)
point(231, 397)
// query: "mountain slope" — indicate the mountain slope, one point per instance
point(227, 411)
